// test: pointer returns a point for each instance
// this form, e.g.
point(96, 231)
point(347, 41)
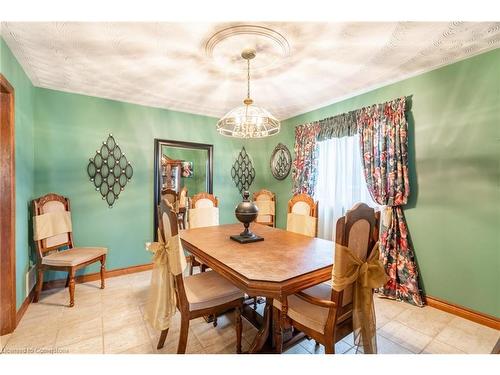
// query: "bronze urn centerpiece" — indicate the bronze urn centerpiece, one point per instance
point(246, 212)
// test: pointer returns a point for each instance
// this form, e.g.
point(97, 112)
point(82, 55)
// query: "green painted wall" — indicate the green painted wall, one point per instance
point(454, 208)
point(24, 162)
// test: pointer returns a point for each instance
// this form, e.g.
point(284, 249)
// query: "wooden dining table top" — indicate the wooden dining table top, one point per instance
point(282, 264)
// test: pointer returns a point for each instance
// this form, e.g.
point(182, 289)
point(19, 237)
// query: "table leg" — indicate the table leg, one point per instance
point(264, 333)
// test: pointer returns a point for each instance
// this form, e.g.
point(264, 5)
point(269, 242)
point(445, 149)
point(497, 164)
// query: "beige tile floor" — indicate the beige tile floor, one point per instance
point(111, 321)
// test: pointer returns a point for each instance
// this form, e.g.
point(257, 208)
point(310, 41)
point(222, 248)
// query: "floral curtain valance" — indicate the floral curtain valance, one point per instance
point(343, 125)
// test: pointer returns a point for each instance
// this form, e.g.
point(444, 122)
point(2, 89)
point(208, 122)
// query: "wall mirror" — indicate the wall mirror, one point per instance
point(182, 169)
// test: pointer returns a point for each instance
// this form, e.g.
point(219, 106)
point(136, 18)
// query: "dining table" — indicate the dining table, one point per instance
point(282, 264)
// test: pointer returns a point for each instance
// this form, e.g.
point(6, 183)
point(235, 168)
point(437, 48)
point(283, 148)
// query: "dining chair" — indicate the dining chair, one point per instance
point(201, 200)
point(203, 294)
point(321, 312)
point(265, 201)
point(302, 215)
point(204, 212)
point(53, 236)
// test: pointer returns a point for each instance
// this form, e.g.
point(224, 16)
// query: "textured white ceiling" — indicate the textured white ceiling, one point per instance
point(299, 66)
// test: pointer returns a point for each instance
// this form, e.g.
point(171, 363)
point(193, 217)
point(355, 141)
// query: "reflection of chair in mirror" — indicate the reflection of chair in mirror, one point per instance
point(321, 312)
point(204, 212)
point(182, 207)
point(202, 294)
point(53, 232)
point(266, 203)
point(170, 196)
point(302, 215)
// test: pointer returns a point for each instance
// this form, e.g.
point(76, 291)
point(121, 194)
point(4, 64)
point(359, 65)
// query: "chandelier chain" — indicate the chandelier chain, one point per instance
point(248, 78)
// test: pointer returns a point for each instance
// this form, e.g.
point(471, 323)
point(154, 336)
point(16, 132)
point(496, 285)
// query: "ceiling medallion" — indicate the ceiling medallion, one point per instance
point(248, 120)
point(220, 47)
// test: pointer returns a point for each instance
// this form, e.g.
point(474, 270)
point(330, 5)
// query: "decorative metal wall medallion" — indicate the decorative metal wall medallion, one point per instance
point(242, 171)
point(109, 170)
point(281, 162)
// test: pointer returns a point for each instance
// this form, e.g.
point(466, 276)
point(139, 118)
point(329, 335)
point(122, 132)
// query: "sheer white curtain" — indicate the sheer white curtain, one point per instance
point(340, 183)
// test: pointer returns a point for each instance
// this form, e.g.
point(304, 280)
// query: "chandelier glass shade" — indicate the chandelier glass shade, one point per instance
point(248, 120)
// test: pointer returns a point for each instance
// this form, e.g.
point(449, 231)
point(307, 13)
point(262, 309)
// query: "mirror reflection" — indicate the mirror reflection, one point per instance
point(184, 170)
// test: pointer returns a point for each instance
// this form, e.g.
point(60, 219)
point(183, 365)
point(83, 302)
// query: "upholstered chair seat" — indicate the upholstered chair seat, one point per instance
point(74, 256)
point(209, 289)
point(307, 314)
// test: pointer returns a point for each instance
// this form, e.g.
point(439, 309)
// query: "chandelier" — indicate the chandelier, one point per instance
point(248, 120)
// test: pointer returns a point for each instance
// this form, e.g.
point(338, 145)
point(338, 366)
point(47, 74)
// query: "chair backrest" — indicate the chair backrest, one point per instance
point(201, 200)
point(358, 230)
point(170, 195)
point(302, 215)
point(303, 204)
point(51, 203)
point(168, 226)
point(266, 202)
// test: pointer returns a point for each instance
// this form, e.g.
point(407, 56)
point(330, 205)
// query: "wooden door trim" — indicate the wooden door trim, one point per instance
point(7, 210)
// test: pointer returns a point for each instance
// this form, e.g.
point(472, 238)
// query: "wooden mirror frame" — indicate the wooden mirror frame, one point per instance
point(158, 144)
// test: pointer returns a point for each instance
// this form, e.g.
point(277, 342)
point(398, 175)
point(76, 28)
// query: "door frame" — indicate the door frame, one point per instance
point(7, 210)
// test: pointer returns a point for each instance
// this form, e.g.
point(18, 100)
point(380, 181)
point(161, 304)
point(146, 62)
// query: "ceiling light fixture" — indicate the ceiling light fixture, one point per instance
point(248, 120)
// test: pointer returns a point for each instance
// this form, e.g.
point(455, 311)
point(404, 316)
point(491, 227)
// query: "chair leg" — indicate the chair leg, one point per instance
point(181, 349)
point(278, 337)
point(67, 281)
point(103, 270)
point(72, 288)
point(255, 303)
point(191, 261)
point(215, 321)
point(330, 348)
point(239, 328)
point(39, 284)
point(162, 339)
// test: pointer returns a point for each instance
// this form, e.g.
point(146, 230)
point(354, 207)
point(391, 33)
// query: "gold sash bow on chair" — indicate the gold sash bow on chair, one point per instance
point(167, 262)
point(366, 275)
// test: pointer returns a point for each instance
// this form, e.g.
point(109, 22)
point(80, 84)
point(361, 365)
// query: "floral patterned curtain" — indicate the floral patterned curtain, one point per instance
point(306, 158)
point(383, 141)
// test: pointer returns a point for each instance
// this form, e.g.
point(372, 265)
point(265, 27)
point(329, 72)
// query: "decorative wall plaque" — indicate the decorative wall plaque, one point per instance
point(242, 171)
point(109, 170)
point(281, 162)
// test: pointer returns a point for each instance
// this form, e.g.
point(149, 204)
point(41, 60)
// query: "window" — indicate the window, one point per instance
point(341, 182)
